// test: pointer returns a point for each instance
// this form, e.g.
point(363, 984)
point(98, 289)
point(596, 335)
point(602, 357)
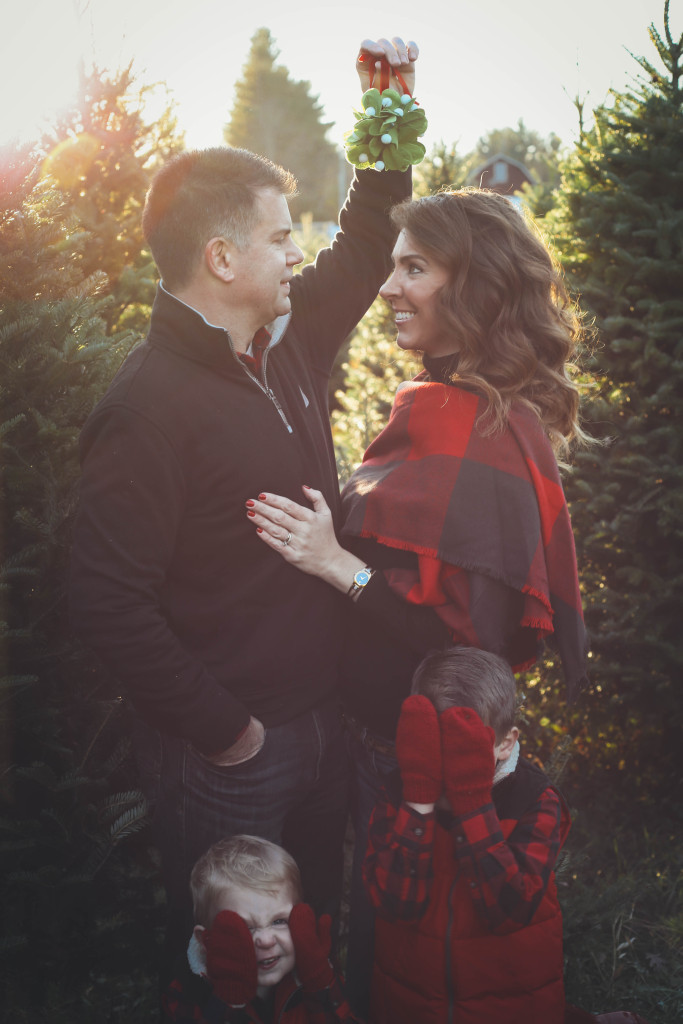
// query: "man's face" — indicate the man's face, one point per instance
point(267, 917)
point(264, 269)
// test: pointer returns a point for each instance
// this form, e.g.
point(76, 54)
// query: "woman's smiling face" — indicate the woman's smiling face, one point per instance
point(412, 291)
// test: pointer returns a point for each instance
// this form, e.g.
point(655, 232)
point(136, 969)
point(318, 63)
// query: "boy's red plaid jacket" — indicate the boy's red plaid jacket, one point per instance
point(469, 927)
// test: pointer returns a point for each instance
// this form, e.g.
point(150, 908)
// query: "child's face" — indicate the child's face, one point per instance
point(267, 917)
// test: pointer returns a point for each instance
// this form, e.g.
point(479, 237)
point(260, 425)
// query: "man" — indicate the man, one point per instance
point(228, 654)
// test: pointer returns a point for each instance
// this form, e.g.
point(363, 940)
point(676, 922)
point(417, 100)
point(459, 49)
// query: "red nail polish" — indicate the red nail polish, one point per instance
point(250, 513)
point(249, 504)
point(261, 497)
point(259, 530)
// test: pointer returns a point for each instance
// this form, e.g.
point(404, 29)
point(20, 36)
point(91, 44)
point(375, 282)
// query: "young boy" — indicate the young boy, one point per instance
point(256, 953)
point(460, 859)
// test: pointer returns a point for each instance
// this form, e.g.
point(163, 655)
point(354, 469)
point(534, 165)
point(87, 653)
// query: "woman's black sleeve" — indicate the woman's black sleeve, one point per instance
point(417, 625)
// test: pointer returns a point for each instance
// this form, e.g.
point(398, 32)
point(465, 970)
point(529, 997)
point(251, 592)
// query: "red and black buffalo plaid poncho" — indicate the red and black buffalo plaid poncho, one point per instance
point(464, 503)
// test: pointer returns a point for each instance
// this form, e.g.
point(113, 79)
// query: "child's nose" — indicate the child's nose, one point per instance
point(264, 938)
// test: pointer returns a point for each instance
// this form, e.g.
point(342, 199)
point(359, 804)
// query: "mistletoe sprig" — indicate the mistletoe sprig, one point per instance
point(386, 132)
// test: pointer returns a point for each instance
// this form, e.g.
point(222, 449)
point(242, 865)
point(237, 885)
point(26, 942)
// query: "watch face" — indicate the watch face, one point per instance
point(361, 577)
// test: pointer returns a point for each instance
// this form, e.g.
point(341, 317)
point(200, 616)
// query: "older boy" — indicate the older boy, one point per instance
point(460, 858)
point(256, 953)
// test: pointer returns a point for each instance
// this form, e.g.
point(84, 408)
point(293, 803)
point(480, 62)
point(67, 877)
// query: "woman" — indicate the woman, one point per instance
point(455, 525)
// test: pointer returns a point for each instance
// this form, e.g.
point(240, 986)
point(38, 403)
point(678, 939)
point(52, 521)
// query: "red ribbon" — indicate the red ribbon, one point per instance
point(386, 71)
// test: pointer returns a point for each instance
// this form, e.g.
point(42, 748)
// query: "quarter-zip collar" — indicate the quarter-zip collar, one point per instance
point(181, 328)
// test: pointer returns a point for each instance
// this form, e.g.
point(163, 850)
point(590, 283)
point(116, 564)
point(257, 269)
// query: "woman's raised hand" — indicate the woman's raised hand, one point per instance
point(399, 55)
point(304, 537)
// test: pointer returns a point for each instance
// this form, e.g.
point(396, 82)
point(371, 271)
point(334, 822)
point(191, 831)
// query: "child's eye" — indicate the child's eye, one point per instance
point(279, 921)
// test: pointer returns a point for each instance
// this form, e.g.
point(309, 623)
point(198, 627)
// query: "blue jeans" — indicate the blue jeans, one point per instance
point(368, 771)
point(293, 792)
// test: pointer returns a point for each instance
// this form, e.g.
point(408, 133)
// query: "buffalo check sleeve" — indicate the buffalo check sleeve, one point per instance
point(507, 878)
point(398, 868)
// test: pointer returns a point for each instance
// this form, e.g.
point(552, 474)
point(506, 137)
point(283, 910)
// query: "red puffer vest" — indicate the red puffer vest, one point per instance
point(448, 967)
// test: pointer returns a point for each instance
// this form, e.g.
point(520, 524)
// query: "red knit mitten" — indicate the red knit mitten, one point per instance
point(231, 959)
point(468, 761)
point(418, 749)
point(312, 944)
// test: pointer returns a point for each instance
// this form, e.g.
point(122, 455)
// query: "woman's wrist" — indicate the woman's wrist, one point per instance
point(340, 570)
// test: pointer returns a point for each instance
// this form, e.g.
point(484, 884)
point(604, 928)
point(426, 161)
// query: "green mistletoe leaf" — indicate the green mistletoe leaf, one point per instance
point(414, 152)
point(372, 98)
point(354, 154)
point(391, 95)
point(393, 139)
point(381, 137)
point(393, 160)
point(417, 120)
point(406, 137)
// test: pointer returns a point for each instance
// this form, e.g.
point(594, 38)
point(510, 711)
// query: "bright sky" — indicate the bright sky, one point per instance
point(482, 66)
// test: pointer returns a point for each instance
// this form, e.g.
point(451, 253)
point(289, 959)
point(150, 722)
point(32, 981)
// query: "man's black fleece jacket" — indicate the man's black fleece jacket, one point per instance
point(200, 621)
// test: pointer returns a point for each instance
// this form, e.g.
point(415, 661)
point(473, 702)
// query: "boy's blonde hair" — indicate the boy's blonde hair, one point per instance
point(467, 677)
point(241, 862)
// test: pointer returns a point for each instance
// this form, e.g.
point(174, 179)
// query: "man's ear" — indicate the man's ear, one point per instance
point(218, 255)
point(507, 745)
point(199, 932)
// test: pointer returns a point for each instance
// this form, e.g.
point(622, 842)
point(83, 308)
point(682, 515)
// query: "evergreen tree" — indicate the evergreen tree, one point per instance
point(619, 226)
point(101, 154)
point(70, 898)
point(277, 117)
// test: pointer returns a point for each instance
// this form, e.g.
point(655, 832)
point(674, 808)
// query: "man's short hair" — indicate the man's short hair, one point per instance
point(241, 862)
point(470, 678)
point(203, 194)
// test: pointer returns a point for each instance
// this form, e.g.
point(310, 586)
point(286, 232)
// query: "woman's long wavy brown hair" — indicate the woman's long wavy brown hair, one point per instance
point(506, 305)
